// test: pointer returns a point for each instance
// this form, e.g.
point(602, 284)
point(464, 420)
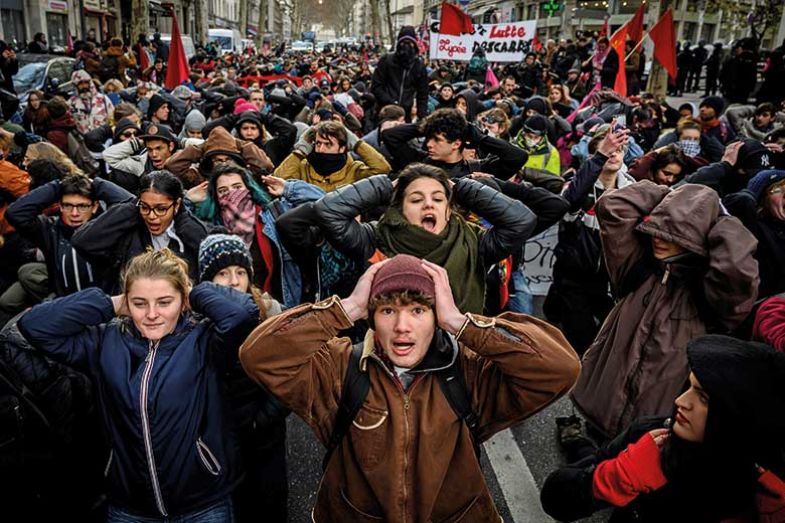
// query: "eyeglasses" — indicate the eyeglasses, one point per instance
point(128, 134)
point(81, 207)
point(159, 210)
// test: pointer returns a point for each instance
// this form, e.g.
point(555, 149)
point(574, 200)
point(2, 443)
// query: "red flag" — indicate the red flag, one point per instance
point(536, 44)
point(454, 21)
point(635, 25)
point(490, 79)
point(664, 39)
point(144, 58)
point(617, 41)
point(604, 30)
point(177, 71)
point(69, 41)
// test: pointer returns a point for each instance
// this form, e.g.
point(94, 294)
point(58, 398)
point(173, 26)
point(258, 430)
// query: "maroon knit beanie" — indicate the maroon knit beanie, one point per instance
point(402, 273)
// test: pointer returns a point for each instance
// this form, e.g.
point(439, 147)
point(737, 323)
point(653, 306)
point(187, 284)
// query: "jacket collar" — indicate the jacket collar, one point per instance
point(441, 354)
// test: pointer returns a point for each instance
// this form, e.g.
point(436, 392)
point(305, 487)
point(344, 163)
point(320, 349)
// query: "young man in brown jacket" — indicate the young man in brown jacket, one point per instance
point(407, 456)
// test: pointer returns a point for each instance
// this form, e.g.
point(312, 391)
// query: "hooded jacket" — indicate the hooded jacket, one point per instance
point(638, 363)
point(173, 450)
point(68, 271)
point(407, 457)
point(182, 163)
point(57, 130)
point(393, 83)
point(296, 166)
point(93, 112)
point(276, 140)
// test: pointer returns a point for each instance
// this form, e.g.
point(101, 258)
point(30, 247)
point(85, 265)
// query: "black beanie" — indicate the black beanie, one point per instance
point(537, 104)
point(715, 102)
point(156, 101)
point(407, 33)
point(745, 382)
point(123, 125)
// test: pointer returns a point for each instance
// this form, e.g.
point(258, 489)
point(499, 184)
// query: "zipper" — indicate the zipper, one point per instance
point(148, 439)
point(76, 270)
point(65, 276)
point(403, 82)
point(405, 450)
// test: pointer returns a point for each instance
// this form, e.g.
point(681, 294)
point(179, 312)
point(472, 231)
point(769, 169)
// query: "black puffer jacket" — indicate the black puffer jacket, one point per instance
point(395, 84)
point(55, 471)
point(111, 240)
point(513, 222)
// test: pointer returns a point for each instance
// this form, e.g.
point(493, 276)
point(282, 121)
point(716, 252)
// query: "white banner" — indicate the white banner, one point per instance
point(501, 42)
point(538, 260)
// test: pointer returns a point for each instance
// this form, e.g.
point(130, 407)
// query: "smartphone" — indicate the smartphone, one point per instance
point(619, 122)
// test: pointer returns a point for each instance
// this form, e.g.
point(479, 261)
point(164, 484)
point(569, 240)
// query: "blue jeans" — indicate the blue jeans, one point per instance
point(521, 299)
point(220, 512)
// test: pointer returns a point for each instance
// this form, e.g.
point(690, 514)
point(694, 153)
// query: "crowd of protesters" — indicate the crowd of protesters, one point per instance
point(340, 235)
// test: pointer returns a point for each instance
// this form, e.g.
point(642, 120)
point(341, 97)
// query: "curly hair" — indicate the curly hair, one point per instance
point(449, 122)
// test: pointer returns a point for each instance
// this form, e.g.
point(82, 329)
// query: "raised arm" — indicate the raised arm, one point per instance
point(513, 222)
point(97, 239)
point(337, 211)
point(397, 141)
point(66, 328)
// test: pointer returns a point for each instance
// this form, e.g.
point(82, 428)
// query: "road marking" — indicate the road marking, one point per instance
point(515, 479)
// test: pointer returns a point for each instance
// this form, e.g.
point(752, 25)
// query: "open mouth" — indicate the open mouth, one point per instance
point(428, 222)
point(402, 348)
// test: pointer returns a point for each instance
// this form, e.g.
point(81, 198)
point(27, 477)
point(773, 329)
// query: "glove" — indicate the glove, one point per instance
point(305, 144)
point(351, 140)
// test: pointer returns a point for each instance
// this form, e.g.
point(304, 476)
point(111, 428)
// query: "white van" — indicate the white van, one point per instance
point(229, 40)
point(188, 43)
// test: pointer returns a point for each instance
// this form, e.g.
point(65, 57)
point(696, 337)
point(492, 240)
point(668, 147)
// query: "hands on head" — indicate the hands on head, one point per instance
point(613, 141)
point(448, 316)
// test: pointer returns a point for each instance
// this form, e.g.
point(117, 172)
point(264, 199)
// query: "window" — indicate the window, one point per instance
point(13, 25)
point(56, 25)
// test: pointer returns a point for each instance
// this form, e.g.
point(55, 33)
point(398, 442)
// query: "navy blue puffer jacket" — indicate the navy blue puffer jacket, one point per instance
point(174, 449)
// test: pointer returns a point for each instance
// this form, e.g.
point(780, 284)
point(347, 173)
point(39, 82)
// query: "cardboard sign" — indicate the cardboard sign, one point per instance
point(501, 42)
point(538, 260)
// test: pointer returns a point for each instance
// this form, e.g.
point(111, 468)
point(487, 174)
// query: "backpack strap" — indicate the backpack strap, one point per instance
point(453, 384)
point(355, 389)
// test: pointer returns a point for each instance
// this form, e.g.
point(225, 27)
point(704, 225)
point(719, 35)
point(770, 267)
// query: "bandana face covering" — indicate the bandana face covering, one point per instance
point(690, 148)
point(238, 213)
point(327, 163)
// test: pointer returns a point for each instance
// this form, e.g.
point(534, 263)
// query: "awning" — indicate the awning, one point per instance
point(409, 9)
point(91, 11)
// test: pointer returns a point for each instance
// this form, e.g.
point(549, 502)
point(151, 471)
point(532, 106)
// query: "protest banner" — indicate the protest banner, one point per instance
point(501, 42)
point(538, 260)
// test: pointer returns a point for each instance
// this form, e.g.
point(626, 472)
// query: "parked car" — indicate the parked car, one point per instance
point(301, 46)
point(48, 73)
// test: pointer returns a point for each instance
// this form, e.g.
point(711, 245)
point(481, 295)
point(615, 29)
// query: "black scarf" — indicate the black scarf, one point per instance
point(327, 163)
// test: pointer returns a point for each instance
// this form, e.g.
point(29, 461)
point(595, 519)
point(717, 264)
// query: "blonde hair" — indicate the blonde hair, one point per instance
point(158, 265)
point(48, 151)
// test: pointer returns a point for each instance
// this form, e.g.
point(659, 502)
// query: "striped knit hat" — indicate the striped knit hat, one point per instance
point(219, 251)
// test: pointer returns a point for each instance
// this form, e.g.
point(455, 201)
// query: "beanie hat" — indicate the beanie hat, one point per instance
point(219, 251)
point(745, 382)
point(537, 105)
point(762, 181)
point(407, 33)
point(123, 125)
point(536, 124)
point(241, 105)
point(156, 102)
point(715, 102)
point(402, 273)
point(248, 116)
point(753, 157)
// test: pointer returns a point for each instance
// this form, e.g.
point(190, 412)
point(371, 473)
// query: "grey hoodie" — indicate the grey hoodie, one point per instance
point(194, 121)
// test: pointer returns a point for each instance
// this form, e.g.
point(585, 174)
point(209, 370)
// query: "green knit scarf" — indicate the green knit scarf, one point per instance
point(456, 249)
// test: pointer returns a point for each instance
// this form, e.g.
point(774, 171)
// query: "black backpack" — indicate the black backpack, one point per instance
point(357, 383)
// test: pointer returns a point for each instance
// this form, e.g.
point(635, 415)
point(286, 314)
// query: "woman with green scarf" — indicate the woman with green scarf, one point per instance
point(422, 221)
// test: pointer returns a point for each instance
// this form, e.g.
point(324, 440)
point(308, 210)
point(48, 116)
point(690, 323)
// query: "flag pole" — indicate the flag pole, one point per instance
point(637, 46)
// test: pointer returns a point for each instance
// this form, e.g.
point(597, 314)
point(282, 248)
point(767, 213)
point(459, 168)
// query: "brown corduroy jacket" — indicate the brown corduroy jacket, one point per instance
point(407, 457)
